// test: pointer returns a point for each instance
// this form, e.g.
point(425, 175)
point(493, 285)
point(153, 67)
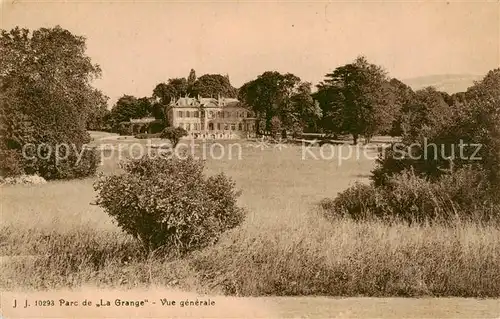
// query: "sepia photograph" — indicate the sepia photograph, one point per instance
point(249, 159)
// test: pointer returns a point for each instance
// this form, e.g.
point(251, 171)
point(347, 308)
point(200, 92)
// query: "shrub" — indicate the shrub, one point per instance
point(411, 198)
point(170, 203)
point(360, 201)
point(125, 130)
point(78, 162)
point(416, 199)
point(173, 134)
point(23, 179)
point(10, 163)
point(156, 127)
point(34, 157)
point(79, 167)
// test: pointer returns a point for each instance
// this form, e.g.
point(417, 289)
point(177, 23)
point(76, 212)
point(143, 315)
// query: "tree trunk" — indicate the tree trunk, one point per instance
point(283, 133)
point(355, 138)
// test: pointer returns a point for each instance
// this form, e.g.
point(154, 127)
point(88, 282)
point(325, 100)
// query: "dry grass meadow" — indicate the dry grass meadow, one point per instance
point(52, 238)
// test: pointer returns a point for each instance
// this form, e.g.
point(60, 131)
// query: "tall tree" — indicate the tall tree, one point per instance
point(129, 107)
point(47, 94)
point(98, 114)
point(401, 95)
point(426, 113)
point(305, 111)
point(330, 101)
point(174, 88)
point(47, 76)
point(359, 97)
point(483, 116)
point(165, 93)
point(213, 85)
point(281, 96)
point(191, 79)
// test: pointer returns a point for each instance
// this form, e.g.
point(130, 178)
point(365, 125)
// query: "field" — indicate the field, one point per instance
point(52, 237)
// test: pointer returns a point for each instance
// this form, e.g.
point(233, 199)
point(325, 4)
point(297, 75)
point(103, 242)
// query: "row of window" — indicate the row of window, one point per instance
point(211, 127)
point(213, 114)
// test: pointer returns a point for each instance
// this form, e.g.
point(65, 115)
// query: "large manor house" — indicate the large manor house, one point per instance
point(212, 118)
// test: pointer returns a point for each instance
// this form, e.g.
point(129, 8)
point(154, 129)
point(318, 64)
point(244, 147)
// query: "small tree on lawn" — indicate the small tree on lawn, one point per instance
point(174, 134)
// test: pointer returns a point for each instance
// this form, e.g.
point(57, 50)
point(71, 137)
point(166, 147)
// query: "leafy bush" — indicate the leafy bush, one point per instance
point(125, 130)
point(71, 162)
point(170, 203)
point(23, 179)
point(156, 128)
point(79, 164)
point(411, 198)
point(10, 163)
point(360, 201)
point(173, 134)
point(449, 198)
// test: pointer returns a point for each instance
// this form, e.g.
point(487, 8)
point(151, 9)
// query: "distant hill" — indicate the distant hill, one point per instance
point(450, 83)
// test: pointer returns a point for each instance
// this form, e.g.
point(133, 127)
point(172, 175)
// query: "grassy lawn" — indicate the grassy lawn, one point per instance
point(51, 237)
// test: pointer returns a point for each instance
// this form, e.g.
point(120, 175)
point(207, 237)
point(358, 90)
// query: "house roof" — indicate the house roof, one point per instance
point(143, 120)
point(228, 102)
point(186, 101)
point(205, 102)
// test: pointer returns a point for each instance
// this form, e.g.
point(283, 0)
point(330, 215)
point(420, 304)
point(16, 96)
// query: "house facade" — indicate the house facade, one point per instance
point(212, 118)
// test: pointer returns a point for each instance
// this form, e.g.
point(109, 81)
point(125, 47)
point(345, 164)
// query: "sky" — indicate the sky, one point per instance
point(140, 44)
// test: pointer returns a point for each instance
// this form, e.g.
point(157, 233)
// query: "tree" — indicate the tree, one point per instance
point(280, 95)
point(174, 88)
point(275, 126)
point(358, 96)
point(165, 93)
point(191, 80)
point(330, 101)
point(401, 95)
point(442, 139)
point(47, 97)
point(425, 114)
point(129, 107)
point(213, 85)
point(305, 111)
point(174, 134)
point(483, 121)
point(159, 111)
point(99, 116)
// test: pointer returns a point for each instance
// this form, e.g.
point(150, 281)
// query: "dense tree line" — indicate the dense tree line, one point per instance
point(47, 96)
point(357, 99)
point(445, 169)
point(432, 117)
point(46, 99)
